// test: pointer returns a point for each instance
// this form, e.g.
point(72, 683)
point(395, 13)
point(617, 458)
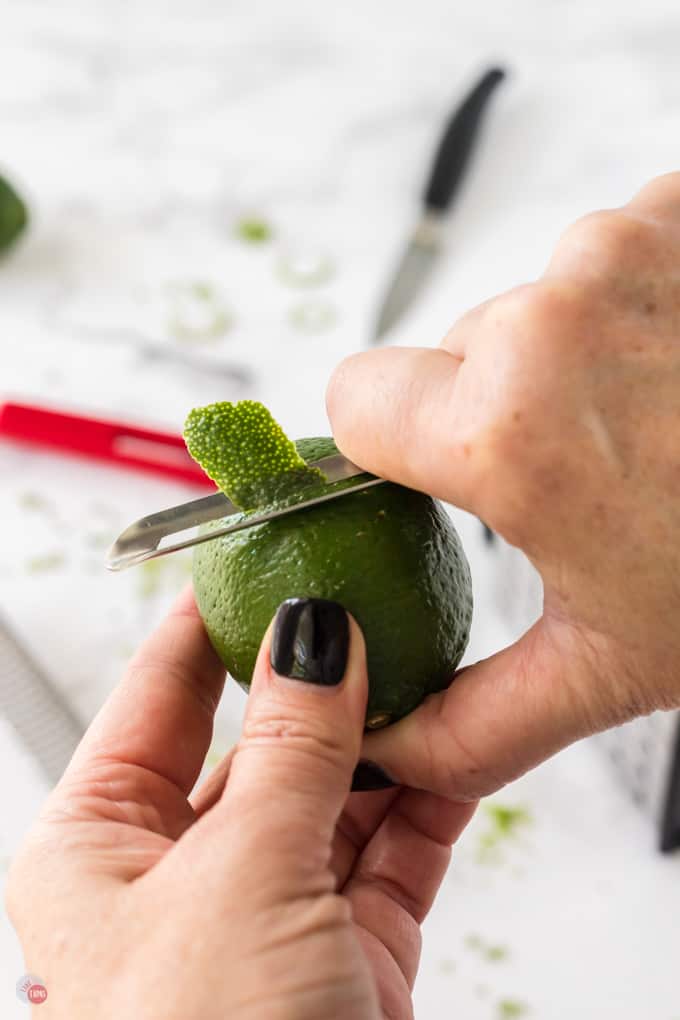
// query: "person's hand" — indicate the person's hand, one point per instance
point(553, 414)
point(270, 895)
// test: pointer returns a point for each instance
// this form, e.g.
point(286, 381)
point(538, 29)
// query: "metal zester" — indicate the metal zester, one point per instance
point(35, 709)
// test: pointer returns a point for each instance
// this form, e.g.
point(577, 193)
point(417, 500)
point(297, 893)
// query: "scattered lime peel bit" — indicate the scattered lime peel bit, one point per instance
point(253, 230)
point(43, 564)
point(31, 500)
point(489, 951)
point(505, 824)
point(197, 312)
point(246, 453)
point(512, 1008)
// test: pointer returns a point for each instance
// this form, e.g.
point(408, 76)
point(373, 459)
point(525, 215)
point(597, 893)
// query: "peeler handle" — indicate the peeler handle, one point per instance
point(115, 442)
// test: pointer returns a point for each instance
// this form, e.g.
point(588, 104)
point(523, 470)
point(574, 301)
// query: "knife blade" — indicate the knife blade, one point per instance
point(165, 531)
point(448, 169)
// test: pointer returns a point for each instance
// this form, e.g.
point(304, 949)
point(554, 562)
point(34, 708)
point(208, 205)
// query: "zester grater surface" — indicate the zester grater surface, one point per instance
point(35, 709)
point(646, 752)
point(641, 752)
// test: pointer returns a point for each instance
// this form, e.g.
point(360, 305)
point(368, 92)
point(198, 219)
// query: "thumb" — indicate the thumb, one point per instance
point(302, 730)
point(399, 412)
point(500, 717)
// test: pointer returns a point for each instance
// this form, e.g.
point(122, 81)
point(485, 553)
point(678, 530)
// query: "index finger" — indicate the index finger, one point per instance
point(160, 716)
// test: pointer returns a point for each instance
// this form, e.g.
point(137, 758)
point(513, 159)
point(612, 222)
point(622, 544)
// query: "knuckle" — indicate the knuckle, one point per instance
point(606, 242)
point(528, 319)
point(544, 310)
point(539, 329)
point(661, 190)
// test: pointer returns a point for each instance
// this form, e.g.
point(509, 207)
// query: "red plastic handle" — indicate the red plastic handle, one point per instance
point(115, 442)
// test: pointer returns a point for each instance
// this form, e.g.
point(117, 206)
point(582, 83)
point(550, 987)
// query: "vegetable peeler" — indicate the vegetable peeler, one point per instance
point(176, 528)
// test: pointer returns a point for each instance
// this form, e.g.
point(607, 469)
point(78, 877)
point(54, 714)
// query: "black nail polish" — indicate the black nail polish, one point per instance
point(369, 776)
point(310, 641)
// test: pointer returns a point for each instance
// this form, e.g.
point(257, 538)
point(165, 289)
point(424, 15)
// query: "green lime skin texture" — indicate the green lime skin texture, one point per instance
point(389, 555)
point(13, 215)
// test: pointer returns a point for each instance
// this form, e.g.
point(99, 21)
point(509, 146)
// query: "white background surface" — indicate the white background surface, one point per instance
point(140, 132)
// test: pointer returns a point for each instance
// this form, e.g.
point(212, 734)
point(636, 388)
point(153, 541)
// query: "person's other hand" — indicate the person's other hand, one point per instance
point(553, 414)
point(271, 894)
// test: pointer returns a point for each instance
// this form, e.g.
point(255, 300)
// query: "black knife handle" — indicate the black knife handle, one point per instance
point(458, 141)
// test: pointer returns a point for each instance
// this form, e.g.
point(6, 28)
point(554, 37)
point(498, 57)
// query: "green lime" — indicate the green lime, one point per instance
point(13, 214)
point(389, 555)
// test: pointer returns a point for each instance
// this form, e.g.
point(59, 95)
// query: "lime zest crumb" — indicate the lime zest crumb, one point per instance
point(489, 951)
point(505, 824)
point(303, 267)
point(202, 289)
point(510, 1009)
point(45, 563)
point(31, 500)
point(253, 230)
point(246, 453)
point(313, 316)
point(197, 312)
point(506, 819)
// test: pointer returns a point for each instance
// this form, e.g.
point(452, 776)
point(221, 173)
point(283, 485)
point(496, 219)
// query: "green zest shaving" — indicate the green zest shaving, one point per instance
point(253, 230)
point(512, 1008)
point(246, 453)
point(487, 950)
point(505, 824)
point(507, 820)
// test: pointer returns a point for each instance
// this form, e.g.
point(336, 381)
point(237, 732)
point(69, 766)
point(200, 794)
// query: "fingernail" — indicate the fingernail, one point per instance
point(310, 641)
point(369, 776)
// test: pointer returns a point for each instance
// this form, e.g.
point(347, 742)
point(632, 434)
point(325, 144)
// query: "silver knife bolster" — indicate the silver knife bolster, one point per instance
point(428, 231)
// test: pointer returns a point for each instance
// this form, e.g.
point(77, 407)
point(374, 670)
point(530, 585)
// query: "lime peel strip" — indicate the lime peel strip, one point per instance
point(246, 453)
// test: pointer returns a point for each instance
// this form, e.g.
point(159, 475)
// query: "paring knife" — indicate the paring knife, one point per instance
point(449, 167)
point(168, 530)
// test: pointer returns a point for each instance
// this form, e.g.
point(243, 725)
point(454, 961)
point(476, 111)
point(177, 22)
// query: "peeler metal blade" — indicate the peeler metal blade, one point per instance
point(176, 528)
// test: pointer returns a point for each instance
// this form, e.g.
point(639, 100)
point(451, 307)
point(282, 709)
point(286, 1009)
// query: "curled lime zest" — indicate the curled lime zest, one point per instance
point(246, 453)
